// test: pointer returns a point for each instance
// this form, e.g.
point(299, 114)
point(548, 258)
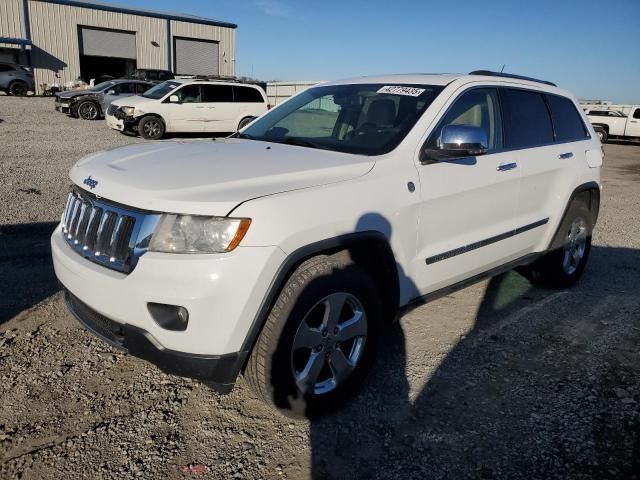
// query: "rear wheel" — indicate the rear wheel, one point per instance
point(563, 266)
point(244, 122)
point(319, 340)
point(602, 134)
point(151, 128)
point(18, 89)
point(88, 110)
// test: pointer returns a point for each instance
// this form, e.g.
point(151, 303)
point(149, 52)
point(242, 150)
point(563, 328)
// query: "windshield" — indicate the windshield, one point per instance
point(101, 86)
point(368, 119)
point(161, 90)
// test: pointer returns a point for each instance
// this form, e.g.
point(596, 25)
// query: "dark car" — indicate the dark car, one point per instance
point(92, 103)
point(16, 79)
point(152, 75)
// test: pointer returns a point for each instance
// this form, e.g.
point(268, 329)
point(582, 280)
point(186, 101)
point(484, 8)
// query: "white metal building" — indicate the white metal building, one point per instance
point(63, 40)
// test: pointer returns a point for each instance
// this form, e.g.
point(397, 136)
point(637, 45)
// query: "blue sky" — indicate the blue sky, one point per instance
point(591, 47)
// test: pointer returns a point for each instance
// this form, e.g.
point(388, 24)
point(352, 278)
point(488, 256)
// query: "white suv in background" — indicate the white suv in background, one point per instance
point(284, 251)
point(188, 106)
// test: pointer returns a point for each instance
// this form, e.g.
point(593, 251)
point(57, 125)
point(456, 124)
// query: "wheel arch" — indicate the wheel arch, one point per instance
point(588, 194)
point(370, 250)
point(603, 126)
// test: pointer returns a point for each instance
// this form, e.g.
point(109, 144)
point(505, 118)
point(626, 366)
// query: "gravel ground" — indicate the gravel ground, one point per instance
point(500, 380)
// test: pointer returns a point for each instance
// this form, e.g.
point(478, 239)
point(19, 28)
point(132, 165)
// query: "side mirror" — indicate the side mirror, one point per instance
point(111, 92)
point(464, 140)
point(174, 99)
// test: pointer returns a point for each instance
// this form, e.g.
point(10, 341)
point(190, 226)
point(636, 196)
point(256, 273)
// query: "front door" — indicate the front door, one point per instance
point(469, 205)
point(188, 114)
point(633, 123)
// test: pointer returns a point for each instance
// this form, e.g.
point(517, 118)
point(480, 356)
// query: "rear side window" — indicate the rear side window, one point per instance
point(5, 68)
point(526, 119)
point(247, 95)
point(217, 93)
point(566, 119)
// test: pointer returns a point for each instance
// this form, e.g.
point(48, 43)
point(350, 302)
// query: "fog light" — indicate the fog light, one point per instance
point(170, 317)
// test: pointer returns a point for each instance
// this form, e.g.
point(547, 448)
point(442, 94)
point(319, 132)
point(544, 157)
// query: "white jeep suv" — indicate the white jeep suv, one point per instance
point(284, 251)
point(187, 105)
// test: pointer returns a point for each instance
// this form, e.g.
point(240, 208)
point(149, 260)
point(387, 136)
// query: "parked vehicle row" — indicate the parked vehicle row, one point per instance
point(610, 124)
point(284, 253)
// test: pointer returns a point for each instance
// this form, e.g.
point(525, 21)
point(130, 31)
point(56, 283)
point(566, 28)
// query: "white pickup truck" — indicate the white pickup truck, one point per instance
point(615, 124)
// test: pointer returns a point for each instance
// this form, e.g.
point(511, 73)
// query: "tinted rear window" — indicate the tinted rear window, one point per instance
point(217, 93)
point(526, 119)
point(566, 119)
point(247, 95)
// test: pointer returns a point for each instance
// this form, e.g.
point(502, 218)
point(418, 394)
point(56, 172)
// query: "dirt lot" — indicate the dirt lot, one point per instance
point(500, 380)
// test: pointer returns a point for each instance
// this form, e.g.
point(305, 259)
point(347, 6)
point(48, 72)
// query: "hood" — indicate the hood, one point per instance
point(131, 101)
point(205, 177)
point(74, 93)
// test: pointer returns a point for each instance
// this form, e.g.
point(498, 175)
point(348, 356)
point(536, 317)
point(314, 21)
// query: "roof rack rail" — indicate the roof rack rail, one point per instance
point(489, 73)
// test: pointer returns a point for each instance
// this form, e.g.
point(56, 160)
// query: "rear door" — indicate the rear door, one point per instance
point(549, 140)
point(468, 205)
point(218, 108)
point(249, 102)
point(633, 124)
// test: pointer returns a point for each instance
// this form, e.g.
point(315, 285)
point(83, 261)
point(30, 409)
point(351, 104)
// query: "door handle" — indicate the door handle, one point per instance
point(506, 166)
point(566, 155)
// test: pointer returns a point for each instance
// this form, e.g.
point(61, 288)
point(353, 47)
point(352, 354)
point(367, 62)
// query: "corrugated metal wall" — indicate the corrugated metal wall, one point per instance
point(54, 31)
point(11, 23)
point(226, 37)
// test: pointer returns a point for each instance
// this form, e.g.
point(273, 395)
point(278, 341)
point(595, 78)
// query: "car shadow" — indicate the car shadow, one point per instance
point(27, 270)
point(544, 384)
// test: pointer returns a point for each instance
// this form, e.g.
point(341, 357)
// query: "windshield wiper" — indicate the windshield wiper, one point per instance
point(243, 135)
point(301, 142)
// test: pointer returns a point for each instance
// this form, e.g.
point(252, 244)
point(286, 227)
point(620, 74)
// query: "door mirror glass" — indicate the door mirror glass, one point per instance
point(111, 92)
point(174, 99)
point(463, 140)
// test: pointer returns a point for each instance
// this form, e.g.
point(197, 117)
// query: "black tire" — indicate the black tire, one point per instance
point(18, 89)
point(602, 133)
point(551, 271)
point(88, 110)
point(151, 128)
point(270, 369)
point(244, 122)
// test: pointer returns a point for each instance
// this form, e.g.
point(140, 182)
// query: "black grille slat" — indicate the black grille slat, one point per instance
point(111, 110)
point(101, 232)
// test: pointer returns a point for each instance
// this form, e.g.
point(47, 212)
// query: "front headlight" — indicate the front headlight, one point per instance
point(198, 234)
point(128, 111)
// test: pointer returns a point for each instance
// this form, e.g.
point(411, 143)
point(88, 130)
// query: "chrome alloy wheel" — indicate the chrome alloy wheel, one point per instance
point(151, 128)
point(88, 111)
point(575, 246)
point(329, 343)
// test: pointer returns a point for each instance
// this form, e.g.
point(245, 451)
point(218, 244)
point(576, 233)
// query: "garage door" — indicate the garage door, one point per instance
point(196, 57)
point(108, 43)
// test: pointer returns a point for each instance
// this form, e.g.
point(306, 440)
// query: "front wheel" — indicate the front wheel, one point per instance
point(88, 110)
point(244, 122)
point(563, 266)
point(319, 340)
point(151, 128)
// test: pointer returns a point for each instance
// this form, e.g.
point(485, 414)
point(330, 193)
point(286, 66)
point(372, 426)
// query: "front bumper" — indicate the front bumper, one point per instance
point(222, 293)
point(220, 371)
point(62, 107)
point(114, 122)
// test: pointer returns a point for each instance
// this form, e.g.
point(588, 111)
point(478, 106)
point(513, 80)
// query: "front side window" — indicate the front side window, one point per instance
point(526, 119)
point(5, 68)
point(125, 88)
point(189, 94)
point(477, 108)
point(368, 119)
point(142, 87)
point(217, 93)
point(636, 114)
point(247, 95)
point(566, 119)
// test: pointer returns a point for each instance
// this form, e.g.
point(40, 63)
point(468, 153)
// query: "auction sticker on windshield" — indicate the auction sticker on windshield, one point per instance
point(399, 90)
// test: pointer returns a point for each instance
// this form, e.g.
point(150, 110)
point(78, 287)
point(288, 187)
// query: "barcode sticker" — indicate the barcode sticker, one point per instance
point(399, 90)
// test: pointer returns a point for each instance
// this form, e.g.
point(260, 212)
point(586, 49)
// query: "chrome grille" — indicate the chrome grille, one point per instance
point(111, 110)
point(105, 233)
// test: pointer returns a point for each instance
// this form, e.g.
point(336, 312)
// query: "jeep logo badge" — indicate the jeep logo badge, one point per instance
point(90, 182)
